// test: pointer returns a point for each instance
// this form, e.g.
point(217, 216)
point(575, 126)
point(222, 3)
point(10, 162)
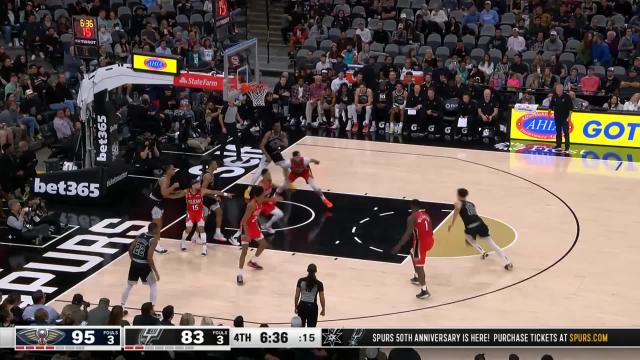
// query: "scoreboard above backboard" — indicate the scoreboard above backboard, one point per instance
point(222, 12)
point(85, 36)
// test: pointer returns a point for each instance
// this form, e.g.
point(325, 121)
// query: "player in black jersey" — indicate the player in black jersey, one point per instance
point(272, 144)
point(327, 108)
point(364, 100)
point(163, 189)
point(382, 106)
point(396, 114)
point(475, 227)
point(212, 204)
point(142, 266)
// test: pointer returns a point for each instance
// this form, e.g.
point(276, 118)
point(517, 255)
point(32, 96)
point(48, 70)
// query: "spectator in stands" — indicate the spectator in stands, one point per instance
point(518, 66)
point(364, 33)
point(633, 104)
point(537, 44)
point(611, 83)
point(316, 94)
point(388, 10)
point(612, 43)
point(77, 310)
point(572, 82)
point(553, 44)
point(187, 319)
point(380, 36)
point(514, 82)
point(400, 36)
point(584, 55)
point(10, 21)
point(39, 303)
point(471, 18)
point(437, 19)
point(318, 31)
point(104, 37)
point(299, 35)
point(17, 224)
point(548, 80)
point(147, 316)
point(350, 55)
point(12, 87)
point(116, 318)
point(62, 97)
point(600, 53)
point(40, 318)
point(488, 16)
point(341, 22)
point(100, 315)
point(613, 104)
point(26, 162)
point(299, 98)
point(9, 120)
point(164, 50)
point(498, 42)
point(167, 316)
point(625, 48)
point(6, 317)
point(516, 42)
point(590, 83)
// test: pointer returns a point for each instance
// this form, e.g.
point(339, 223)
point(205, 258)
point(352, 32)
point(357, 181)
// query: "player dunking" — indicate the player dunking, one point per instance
point(162, 190)
point(272, 144)
point(251, 231)
point(299, 167)
point(211, 202)
point(195, 212)
point(475, 227)
point(418, 225)
point(142, 266)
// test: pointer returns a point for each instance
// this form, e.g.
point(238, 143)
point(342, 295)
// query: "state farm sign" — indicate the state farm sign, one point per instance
point(202, 81)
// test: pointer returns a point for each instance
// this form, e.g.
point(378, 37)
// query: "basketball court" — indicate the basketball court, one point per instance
point(568, 225)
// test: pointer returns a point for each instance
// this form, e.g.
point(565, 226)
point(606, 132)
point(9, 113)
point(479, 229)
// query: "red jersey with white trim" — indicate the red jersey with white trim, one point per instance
point(422, 229)
point(252, 220)
point(299, 165)
point(268, 205)
point(194, 205)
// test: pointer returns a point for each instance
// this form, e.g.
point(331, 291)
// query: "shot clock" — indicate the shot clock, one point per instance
point(85, 36)
point(189, 338)
point(276, 337)
point(105, 338)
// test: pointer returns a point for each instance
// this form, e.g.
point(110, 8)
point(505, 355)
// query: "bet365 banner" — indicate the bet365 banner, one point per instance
point(589, 128)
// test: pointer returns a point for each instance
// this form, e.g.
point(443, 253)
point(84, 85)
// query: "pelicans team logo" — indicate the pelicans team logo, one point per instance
point(40, 336)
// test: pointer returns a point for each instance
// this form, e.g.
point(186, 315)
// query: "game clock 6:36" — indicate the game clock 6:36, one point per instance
point(275, 337)
point(85, 30)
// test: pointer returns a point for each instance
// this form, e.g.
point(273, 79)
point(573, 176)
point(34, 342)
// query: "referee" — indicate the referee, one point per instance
point(305, 302)
point(562, 105)
point(229, 120)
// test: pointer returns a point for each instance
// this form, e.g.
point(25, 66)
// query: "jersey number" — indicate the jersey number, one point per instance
point(195, 207)
point(139, 249)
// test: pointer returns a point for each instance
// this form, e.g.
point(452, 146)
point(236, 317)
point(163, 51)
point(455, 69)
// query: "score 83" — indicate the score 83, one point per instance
point(200, 337)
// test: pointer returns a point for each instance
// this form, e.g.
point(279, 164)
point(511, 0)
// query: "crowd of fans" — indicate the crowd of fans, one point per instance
point(517, 50)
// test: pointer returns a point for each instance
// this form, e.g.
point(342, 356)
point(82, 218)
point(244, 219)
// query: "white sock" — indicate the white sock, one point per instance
point(125, 294)
point(184, 235)
point(497, 250)
point(218, 231)
point(255, 259)
point(203, 238)
point(424, 288)
point(415, 275)
point(153, 292)
point(240, 272)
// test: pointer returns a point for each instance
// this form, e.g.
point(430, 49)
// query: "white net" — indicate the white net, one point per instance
point(257, 93)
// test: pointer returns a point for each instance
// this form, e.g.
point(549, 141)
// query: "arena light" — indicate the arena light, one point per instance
point(156, 64)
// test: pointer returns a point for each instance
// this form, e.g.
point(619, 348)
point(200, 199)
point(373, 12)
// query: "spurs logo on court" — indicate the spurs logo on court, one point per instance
point(148, 336)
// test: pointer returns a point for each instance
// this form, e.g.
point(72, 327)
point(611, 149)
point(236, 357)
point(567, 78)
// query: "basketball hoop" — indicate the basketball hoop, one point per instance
point(257, 92)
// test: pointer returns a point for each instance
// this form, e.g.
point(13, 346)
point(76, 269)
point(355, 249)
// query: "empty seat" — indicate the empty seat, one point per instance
point(442, 52)
point(373, 23)
point(506, 30)
point(450, 41)
point(458, 15)
point(477, 54)
point(403, 4)
point(392, 49)
point(483, 42)
point(567, 59)
point(435, 4)
point(572, 46)
point(434, 40)
point(197, 20)
point(334, 34)
point(41, 14)
point(496, 55)
point(325, 45)
point(508, 19)
point(182, 21)
point(405, 49)
point(399, 60)
point(310, 44)
point(389, 25)
point(408, 13)
point(450, 4)
point(358, 21)
point(359, 12)
point(377, 47)
point(528, 56)
point(60, 13)
point(469, 42)
point(581, 69)
point(547, 55)
point(327, 21)
point(598, 21)
point(598, 70)
point(417, 4)
point(488, 30)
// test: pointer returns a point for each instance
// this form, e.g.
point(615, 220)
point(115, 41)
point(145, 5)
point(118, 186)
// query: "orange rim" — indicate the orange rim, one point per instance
point(251, 87)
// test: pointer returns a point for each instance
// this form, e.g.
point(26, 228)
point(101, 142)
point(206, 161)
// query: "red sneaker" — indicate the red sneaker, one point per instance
point(255, 265)
point(354, 128)
point(327, 203)
point(365, 128)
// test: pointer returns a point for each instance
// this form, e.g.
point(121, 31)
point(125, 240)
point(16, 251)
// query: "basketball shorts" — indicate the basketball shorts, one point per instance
point(197, 219)
point(141, 271)
point(276, 156)
point(480, 230)
point(252, 233)
point(268, 207)
point(157, 209)
point(306, 175)
point(420, 249)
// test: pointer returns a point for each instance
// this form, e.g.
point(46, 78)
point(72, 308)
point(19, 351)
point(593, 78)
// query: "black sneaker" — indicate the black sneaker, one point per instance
point(239, 280)
point(508, 267)
point(414, 280)
point(423, 294)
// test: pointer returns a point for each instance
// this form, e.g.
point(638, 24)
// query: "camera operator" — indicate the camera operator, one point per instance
point(190, 136)
point(39, 215)
point(211, 123)
point(147, 154)
point(19, 229)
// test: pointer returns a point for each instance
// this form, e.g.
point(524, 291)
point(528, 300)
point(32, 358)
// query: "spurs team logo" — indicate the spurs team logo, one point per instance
point(40, 336)
point(148, 336)
point(355, 337)
point(331, 337)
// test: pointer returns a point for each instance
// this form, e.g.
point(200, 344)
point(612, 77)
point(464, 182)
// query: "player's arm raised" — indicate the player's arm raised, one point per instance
point(408, 231)
point(152, 247)
point(208, 192)
point(263, 145)
point(456, 212)
point(170, 192)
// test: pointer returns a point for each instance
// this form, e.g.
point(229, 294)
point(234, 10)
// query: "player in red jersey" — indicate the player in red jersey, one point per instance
point(299, 167)
point(418, 225)
point(251, 231)
point(195, 212)
point(269, 207)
